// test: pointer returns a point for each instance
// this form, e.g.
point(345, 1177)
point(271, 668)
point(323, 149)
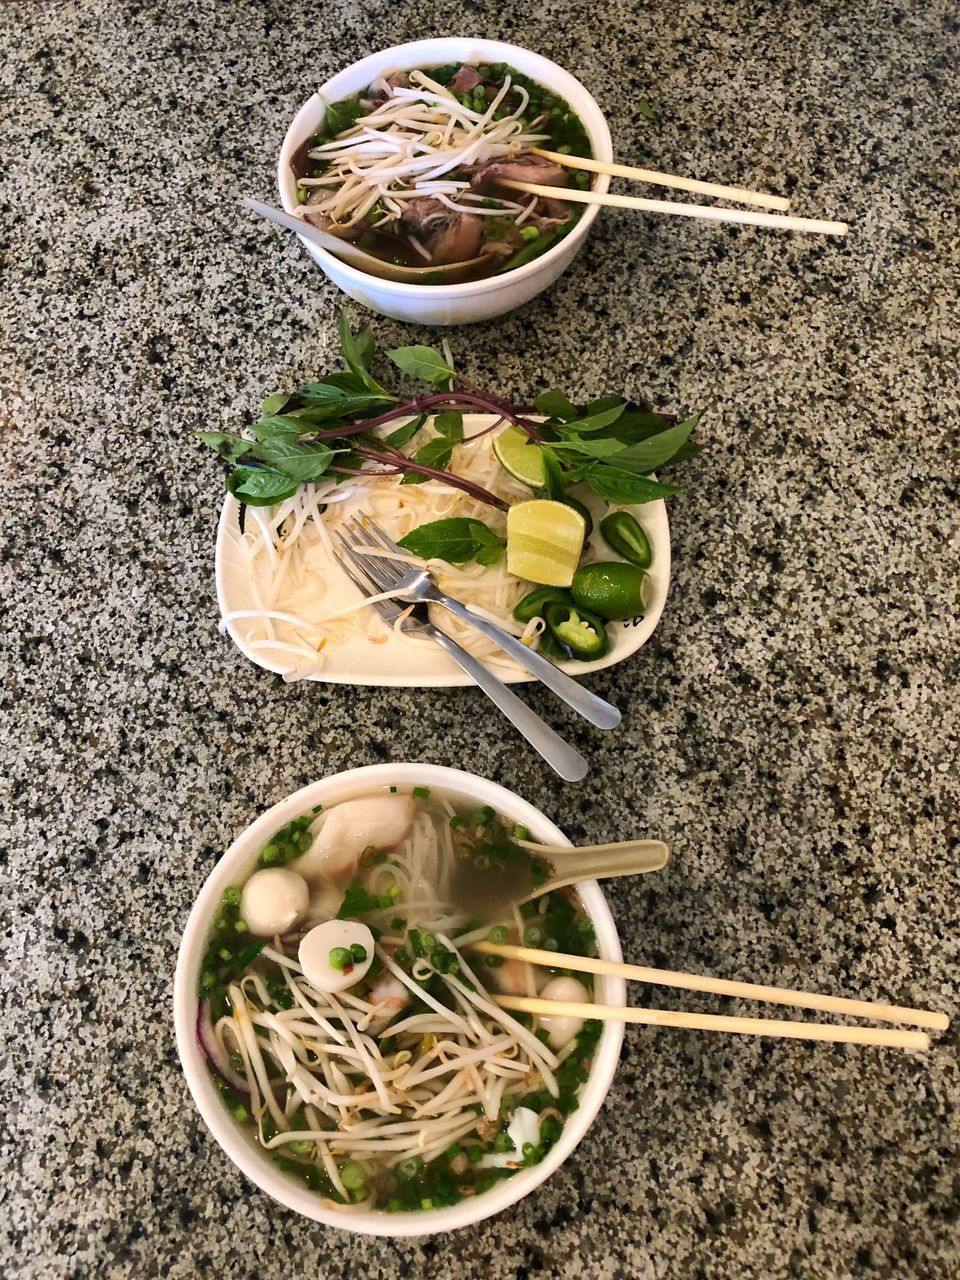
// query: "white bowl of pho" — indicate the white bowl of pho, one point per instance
point(341, 1038)
point(402, 153)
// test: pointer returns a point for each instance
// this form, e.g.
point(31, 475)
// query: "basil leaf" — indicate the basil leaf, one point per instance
point(554, 404)
point(260, 487)
point(299, 461)
point(273, 404)
point(366, 345)
point(648, 113)
point(596, 419)
point(403, 435)
point(230, 447)
point(591, 448)
point(623, 487)
point(637, 424)
point(554, 481)
point(688, 450)
point(435, 453)
point(422, 362)
point(339, 116)
point(276, 426)
point(647, 454)
point(455, 540)
point(450, 425)
point(353, 354)
point(604, 402)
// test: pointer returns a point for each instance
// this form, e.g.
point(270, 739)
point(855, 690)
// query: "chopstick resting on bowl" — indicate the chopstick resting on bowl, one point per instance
point(720, 986)
point(709, 212)
point(716, 190)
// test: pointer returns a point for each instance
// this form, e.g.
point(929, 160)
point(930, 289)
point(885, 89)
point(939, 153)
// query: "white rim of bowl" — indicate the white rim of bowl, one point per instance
point(234, 1140)
point(592, 117)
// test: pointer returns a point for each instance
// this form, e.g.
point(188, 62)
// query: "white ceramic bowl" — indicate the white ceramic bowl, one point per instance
point(239, 861)
point(473, 300)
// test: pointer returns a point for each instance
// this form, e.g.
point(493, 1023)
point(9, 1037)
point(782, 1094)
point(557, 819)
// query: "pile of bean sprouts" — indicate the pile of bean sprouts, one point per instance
point(409, 145)
point(300, 604)
point(447, 1070)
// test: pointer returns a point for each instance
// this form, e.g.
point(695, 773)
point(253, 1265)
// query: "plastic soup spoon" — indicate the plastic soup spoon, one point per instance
point(355, 256)
point(596, 861)
point(492, 890)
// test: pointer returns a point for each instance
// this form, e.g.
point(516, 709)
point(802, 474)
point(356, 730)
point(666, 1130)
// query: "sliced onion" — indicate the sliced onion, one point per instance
point(212, 1051)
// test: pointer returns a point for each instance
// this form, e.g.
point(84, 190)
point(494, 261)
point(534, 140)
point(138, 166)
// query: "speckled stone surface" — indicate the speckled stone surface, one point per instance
point(791, 729)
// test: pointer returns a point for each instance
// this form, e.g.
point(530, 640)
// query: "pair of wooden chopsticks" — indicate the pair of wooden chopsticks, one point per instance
point(711, 213)
point(721, 986)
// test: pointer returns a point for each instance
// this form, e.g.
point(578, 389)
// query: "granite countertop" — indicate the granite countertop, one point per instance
point(791, 729)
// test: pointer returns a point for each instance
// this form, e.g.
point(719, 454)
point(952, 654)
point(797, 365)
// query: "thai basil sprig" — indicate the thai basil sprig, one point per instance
point(331, 428)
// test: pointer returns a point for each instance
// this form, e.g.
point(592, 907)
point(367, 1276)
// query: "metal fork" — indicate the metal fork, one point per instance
point(567, 762)
point(416, 584)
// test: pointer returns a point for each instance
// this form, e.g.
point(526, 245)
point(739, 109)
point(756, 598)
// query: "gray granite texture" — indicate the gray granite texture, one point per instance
point(791, 729)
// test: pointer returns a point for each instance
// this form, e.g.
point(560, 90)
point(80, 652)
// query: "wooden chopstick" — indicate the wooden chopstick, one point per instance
point(711, 213)
point(715, 189)
point(721, 986)
point(714, 1022)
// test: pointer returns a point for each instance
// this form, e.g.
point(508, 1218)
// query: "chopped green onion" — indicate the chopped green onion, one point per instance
point(358, 954)
point(421, 792)
point(499, 934)
point(529, 233)
point(353, 1176)
point(532, 935)
point(409, 1168)
point(231, 896)
point(494, 962)
point(340, 959)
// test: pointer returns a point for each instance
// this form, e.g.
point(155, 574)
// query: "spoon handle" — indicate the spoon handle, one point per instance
point(595, 862)
point(579, 699)
point(559, 755)
point(333, 244)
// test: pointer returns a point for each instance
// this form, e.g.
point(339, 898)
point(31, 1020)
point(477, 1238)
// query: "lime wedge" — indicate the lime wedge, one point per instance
point(516, 453)
point(544, 541)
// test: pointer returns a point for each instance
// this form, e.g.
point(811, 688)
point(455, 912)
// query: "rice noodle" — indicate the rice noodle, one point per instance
point(302, 608)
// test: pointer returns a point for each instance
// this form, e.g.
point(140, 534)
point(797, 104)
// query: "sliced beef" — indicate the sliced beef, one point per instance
point(399, 80)
point(416, 211)
point(466, 80)
point(455, 239)
point(521, 169)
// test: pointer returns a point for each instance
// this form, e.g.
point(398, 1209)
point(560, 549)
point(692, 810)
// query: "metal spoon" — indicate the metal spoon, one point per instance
point(348, 252)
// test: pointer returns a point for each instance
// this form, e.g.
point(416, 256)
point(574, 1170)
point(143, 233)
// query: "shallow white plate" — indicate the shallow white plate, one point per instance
point(400, 664)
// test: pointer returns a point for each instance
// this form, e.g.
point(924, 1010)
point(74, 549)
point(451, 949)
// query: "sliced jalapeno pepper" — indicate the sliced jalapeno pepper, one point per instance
point(551, 648)
point(581, 633)
point(623, 533)
point(534, 602)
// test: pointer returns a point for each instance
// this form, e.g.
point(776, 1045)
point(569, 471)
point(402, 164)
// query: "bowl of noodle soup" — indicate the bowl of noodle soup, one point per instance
point(470, 300)
point(409, 1188)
